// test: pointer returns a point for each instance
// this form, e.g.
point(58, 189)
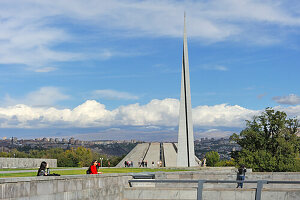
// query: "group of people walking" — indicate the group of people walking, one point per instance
point(128, 163)
point(143, 163)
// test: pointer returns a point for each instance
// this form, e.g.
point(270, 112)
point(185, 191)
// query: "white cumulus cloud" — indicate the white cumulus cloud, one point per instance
point(45, 96)
point(222, 115)
point(292, 111)
point(291, 99)
point(157, 113)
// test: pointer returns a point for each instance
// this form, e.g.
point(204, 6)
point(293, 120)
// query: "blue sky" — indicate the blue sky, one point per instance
point(111, 69)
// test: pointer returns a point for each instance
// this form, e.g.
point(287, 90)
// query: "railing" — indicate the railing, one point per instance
point(259, 183)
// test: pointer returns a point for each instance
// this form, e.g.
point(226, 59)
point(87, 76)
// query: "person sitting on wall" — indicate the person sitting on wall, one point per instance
point(44, 170)
point(93, 168)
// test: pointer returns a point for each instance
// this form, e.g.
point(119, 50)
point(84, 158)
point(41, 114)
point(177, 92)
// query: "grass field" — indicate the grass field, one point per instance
point(83, 171)
point(17, 169)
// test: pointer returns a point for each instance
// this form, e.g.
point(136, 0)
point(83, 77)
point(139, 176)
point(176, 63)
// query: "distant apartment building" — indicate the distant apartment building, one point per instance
point(71, 141)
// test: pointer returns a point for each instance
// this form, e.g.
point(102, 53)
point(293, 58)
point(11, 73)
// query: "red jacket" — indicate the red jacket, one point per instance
point(94, 169)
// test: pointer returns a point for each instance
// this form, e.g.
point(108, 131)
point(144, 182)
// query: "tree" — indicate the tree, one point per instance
point(79, 157)
point(269, 142)
point(84, 155)
point(212, 158)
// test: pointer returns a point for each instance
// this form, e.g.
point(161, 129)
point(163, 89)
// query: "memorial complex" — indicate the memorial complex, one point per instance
point(181, 154)
point(205, 183)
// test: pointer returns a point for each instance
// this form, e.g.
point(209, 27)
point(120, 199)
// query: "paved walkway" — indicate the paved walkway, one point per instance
point(136, 155)
point(170, 155)
point(153, 154)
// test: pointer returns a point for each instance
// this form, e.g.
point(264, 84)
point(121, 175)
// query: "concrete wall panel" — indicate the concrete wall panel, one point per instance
point(65, 187)
point(115, 186)
point(25, 162)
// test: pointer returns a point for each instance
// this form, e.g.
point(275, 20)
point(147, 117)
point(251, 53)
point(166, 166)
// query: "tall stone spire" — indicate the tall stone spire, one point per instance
point(186, 151)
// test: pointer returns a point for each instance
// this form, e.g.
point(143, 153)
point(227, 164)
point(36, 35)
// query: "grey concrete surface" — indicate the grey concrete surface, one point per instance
point(153, 154)
point(220, 191)
point(136, 155)
point(170, 155)
point(186, 151)
point(115, 187)
point(25, 162)
point(208, 194)
point(229, 174)
point(76, 187)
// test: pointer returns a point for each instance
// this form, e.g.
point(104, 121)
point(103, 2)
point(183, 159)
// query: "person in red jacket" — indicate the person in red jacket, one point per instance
point(93, 168)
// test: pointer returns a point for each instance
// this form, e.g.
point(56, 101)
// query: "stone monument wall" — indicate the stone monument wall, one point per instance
point(25, 162)
point(116, 187)
point(77, 187)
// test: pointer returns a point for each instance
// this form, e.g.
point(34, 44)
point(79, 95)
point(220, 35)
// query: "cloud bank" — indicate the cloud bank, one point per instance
point(291, 99)
point(157, 113)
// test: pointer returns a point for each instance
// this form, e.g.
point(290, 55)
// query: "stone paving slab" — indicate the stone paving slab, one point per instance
point(153, 154)
point(170, 155)
point(136, 155)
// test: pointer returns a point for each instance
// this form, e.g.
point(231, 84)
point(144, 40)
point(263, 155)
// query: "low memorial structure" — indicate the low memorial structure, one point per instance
point(153, 153)
point(25, 162)
point(116, 186)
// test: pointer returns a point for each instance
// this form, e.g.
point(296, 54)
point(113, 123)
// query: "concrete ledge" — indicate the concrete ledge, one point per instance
point(209, 194)
point(115, 186)
point(108, 186)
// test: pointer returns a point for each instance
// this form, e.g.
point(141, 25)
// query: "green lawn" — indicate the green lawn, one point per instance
point(24, 174)
point(17, 169)
point(83, 171)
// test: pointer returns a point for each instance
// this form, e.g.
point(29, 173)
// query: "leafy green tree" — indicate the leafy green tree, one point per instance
point(71, 159)
point(269, 142)
point(212, 158)
point(4, 154)
point(84, 156)
point(79, 157)
point(114, 160)
point(225, 163)
point(37, 153)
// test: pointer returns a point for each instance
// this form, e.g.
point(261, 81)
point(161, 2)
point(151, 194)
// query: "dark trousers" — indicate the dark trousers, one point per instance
point(240, 178)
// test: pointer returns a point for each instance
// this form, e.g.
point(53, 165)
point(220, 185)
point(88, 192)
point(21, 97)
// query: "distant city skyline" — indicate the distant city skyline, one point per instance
point(111, 69)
